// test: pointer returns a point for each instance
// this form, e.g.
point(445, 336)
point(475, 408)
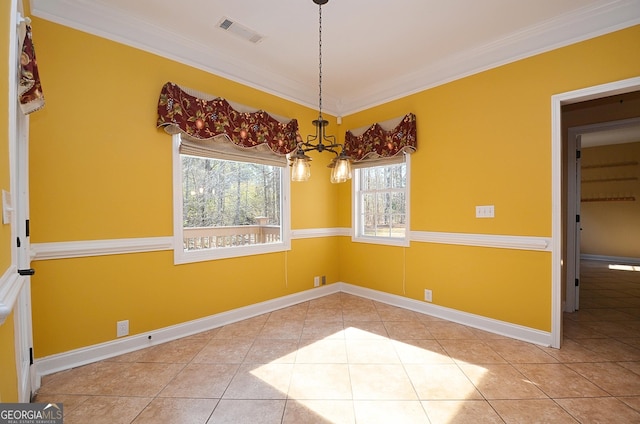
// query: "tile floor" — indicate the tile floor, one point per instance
point(345, 359)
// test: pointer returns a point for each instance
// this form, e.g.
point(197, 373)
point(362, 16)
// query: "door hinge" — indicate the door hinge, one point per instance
point(578, 154)
point(27, 228)
point(577, 282)
point(30, 356)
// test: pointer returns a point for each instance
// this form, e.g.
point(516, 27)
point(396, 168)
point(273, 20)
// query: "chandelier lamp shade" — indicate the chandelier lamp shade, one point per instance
point(300, 162)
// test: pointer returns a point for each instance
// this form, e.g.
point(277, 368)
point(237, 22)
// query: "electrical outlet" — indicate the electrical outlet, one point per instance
point(428, 296)
point(316, 281)
point(122, 328)
point(324, 280)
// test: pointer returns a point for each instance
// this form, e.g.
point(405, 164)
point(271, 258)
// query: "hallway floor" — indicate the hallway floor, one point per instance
point(345, 359)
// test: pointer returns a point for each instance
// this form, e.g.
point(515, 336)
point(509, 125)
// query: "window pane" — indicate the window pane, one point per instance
point(228, 203)
point(381, 201)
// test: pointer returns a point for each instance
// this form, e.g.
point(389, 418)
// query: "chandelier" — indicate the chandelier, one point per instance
point(300, 162)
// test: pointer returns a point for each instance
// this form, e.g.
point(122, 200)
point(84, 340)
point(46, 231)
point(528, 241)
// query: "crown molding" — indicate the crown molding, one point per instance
point(91, 17)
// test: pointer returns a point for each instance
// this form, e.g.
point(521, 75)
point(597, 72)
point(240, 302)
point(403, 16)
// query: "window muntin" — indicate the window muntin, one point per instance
point(226, 208)
point(381, 203)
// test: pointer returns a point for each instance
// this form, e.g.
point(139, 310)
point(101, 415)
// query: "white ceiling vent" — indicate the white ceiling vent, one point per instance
point(240, 30)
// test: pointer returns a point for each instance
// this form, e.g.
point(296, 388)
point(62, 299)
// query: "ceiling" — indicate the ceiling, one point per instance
point(373, 51)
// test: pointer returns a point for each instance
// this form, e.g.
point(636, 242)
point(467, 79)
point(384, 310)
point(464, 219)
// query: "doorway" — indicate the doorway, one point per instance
point(585, 137)
point(560, 198)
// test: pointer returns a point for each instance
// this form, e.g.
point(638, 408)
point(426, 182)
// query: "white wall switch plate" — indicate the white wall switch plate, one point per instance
point(487, 211)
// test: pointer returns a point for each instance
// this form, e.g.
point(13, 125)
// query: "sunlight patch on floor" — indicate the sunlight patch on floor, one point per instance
point(311, 353)
point(619, 267)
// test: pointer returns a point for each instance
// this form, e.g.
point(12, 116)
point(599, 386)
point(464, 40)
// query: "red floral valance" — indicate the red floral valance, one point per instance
point(376, 142)
point(30, 88)
point(201, 118)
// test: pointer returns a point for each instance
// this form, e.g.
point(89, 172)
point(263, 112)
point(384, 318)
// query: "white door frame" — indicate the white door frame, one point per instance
point(573, 224)
point(19, 188)
point(557, 101)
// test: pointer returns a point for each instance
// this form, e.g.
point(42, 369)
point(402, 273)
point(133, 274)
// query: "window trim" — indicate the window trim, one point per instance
point(180, 256)
point(355, 207)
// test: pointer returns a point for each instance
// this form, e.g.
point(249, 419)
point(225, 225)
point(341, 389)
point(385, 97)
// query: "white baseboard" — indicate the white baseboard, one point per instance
point(620, 260)
point(87, 355)
point(491, 325)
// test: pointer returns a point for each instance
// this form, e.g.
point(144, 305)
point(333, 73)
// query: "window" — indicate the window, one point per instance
point(381, 202)
point(226, 205)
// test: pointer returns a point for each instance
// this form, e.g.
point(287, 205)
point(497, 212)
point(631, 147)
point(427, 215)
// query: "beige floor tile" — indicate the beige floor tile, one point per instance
point(517, 352)
point(327, 351)
point(441, 382)
point(201, 381)
point(381, 382)
point(371, 351)
point(599, 410)
point(70, 402)
point(331, 301)
point(496, 381)
point(282, 330)
point(316, 330)
point(365, 330)
point(471, 351)
point(393, 313)
point(615, 379)
point(461, 412)
point(407, 330)
point(444, 330)
point(324, 315)
point(260, 381)
point(85, 380)
point(559, 381)
point(632, 401)
point(631, 366)
point(571, 351)
point(319, 412)
point(248, 329)
point(107, 410)
point(177, 411)
point(320, 382)
point(292, 313)
point(139, 379)
point(264, 351)
point(543, 411)
point(385, 412)
point(421, 352)
point(612, 349)
point(224, 351)
point(176, 351)
point(231, 411)
point(361, 314)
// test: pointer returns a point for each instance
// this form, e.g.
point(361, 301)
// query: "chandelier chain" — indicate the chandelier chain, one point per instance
point(320, 61)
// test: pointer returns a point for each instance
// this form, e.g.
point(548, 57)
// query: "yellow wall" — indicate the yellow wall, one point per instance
point(101, 170)
point(485, 139)
point(8, 374)
point(611, 227)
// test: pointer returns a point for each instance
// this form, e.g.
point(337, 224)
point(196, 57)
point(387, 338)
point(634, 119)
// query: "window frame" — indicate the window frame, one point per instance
point(356, 206)
point(181, 256)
